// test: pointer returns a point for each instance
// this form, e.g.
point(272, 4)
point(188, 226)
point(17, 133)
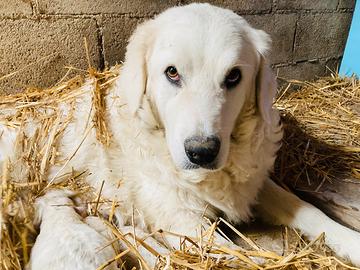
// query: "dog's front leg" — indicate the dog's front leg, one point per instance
point(281, 207)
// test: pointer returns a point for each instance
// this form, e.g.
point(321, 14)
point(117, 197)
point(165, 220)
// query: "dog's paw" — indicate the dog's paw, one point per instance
point(346, 244)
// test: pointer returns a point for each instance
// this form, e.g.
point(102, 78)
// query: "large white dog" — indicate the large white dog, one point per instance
point(193, 128)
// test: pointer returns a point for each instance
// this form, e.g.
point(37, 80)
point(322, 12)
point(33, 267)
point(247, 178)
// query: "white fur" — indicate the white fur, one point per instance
point(66, 241)
point(150, 118)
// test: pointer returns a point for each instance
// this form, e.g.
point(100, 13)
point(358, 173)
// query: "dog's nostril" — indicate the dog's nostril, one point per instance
point(202, 150)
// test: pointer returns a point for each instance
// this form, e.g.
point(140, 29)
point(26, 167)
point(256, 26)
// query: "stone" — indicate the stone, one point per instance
point(321, 35)
point(15, 8)
point(346, 4)
point(281, 28)
point(306, 71)
point(307, 5)
point(116, 32)
point(26, 43)
point(235, 5)
point(134, 7)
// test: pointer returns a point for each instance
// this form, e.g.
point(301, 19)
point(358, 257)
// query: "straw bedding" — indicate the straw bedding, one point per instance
point(322, 130)
point(323, 113)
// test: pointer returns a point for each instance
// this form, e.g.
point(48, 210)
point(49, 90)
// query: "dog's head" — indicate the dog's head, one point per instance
point(198, 66)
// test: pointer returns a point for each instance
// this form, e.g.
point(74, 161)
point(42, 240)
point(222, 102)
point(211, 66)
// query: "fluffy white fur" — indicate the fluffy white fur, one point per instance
point(66, 241)
point(150, 118)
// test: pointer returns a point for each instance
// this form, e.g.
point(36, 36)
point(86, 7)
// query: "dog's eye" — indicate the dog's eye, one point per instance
point(233, 78)
point(172, 74)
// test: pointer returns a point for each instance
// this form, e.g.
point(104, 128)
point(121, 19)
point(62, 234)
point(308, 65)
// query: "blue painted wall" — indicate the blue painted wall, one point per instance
point(351, 60)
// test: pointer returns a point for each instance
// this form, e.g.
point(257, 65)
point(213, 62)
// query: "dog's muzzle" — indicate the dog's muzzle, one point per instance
point(202, 151)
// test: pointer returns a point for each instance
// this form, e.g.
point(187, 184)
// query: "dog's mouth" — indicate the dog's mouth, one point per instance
point(192, 166)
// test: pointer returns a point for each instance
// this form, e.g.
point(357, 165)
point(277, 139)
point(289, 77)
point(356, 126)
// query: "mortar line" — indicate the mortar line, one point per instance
point(39, 15)
point(32, 7)
point(295, 32)
point(338, 5)
point(309, 11)
point(100, 43)
point(274, 6)
point(36, 8)
point(294, 63)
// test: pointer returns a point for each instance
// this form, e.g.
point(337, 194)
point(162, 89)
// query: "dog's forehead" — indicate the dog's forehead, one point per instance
point(206, 34)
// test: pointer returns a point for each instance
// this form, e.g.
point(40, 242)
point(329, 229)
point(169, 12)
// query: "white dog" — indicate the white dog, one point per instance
point(193, 129)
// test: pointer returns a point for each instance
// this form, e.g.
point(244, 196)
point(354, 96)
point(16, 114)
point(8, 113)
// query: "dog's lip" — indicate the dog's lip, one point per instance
point(211, 167)
point(191, 166)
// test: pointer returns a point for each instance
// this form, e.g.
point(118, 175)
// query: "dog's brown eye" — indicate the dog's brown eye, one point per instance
point(233, 78)
point(172, 74)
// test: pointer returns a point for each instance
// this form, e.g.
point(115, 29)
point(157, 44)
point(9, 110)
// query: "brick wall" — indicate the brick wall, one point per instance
point(39, 38)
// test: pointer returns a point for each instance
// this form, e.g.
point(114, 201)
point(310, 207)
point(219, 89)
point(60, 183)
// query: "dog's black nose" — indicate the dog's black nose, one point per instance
point(202, 150)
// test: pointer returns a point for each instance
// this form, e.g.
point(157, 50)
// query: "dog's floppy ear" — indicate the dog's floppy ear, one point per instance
point(265, 79)
point(265, 90)
point(133, 74)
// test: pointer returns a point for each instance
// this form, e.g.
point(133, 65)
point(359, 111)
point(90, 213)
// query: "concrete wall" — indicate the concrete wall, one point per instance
point(38, 38)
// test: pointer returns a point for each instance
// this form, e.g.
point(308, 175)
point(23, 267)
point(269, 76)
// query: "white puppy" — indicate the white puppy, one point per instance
point(65, 240)
point(193, 128)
